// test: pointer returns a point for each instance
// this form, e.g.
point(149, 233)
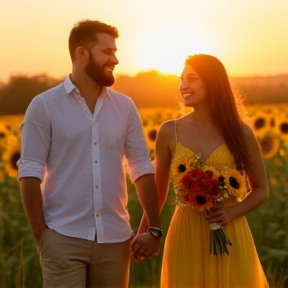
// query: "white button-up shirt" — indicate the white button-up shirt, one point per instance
point(81, 159)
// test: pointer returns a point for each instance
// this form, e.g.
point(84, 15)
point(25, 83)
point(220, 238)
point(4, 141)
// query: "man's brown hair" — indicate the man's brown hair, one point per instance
point(84, 34)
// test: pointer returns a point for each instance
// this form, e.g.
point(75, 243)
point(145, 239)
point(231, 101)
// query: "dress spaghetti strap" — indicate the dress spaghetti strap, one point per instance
point(176, 139)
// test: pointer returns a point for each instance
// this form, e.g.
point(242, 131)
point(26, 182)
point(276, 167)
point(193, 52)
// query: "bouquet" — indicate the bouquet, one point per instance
point(204, 188)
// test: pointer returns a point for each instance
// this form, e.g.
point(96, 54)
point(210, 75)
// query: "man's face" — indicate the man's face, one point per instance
point(102, 60)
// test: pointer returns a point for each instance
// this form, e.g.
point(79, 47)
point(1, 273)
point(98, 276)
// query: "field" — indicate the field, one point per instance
point(19, 266)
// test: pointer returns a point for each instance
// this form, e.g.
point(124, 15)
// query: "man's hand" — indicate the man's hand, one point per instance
point(144, 246)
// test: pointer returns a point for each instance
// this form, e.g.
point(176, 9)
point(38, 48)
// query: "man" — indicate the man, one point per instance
point(75, 138)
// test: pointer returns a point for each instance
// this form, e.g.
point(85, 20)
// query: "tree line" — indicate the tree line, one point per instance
point(147, 89)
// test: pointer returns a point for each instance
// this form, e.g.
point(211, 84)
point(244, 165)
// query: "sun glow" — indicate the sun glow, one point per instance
point(155, 35)
point(166, 50)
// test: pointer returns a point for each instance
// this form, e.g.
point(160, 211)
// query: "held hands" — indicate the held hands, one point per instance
point(221, 216)
point(144, 246)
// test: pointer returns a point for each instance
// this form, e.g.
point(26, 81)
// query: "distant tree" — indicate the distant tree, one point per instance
point(147, 89)
point(263, 89)
point(150, 89)
point(16, 95)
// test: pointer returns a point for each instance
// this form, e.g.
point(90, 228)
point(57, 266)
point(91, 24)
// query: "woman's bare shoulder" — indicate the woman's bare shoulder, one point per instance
point(167, 128)
point(250, 137)
point(166, 133)
point(248, 132)
point(247, 129)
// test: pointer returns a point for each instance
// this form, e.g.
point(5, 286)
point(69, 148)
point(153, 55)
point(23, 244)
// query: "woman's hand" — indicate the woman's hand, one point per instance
point(144, 246)
point(221, 216)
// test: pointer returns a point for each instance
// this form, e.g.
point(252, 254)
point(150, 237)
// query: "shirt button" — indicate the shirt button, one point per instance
point(95, 161)
point(97, 215)
point(95, 143)
point(96, 186)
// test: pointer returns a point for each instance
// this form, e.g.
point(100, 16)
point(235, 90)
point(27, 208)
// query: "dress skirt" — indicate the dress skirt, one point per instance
point(187, 262)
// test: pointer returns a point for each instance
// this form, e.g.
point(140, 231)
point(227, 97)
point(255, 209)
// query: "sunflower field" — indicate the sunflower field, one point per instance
point(19, 265)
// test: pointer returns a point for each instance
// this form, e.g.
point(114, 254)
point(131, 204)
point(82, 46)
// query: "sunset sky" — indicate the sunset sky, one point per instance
point(249, 36)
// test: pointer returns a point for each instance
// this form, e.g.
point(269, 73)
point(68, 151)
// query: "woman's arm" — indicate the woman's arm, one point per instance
point(162, 165)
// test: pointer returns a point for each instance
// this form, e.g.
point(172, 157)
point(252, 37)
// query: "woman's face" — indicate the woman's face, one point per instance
point(192, 87)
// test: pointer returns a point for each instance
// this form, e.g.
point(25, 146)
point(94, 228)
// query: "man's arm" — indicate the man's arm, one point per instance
point(148, 197)
point(147, 194)
point(33, 205)
point(162, 163)
point(35, 146)
point(141, 172)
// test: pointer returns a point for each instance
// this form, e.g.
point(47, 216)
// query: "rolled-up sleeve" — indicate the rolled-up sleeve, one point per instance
point(35, 141)
point(136, 151)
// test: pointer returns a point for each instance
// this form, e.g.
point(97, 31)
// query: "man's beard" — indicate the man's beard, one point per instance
point(97, 73)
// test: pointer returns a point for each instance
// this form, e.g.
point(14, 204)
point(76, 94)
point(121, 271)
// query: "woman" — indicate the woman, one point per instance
point(215, 134)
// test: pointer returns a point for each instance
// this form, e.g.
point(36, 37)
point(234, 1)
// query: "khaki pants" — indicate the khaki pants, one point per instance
point(69, 262)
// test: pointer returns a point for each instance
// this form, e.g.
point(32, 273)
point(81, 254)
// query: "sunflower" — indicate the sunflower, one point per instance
point(260, 123)
point(212, 171)
point(11, 155)
point(251, 110)
point(169, 113)
point(270, 109)
point(190, 162)
point(178, 171)
point(12, 122)
point(269, 144)
point(4, 132)
point(235, 183)
point(282, 126)
point(150, 132)
point(146, 116)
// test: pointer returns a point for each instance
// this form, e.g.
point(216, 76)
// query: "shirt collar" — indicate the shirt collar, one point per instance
point(104, 91)
point(69, 87)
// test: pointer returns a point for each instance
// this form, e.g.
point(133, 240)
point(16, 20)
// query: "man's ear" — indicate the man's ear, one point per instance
point(81, 54)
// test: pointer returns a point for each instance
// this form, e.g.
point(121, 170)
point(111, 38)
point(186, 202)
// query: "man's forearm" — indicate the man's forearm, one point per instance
point(33, 205)
point(147, 193)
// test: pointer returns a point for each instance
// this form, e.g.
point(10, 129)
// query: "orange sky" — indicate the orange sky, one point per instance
point(249, 36)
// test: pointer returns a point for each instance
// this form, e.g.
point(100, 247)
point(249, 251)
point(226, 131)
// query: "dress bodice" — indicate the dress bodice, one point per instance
point(221, 161)
point(221, 157)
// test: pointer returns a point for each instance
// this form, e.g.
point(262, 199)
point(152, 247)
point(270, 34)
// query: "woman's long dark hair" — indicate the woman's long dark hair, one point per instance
point(224, 105)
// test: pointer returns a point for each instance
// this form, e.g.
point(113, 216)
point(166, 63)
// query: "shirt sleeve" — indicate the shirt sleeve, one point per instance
point(35, 140)
point(136, 150)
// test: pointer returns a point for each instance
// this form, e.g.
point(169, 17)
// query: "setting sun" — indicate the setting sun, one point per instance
point(167, 50)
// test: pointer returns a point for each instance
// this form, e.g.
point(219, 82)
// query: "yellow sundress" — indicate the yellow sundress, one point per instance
point(187, 262)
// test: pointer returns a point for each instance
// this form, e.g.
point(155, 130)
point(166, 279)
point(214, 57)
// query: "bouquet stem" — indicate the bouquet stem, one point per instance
point(218, 240)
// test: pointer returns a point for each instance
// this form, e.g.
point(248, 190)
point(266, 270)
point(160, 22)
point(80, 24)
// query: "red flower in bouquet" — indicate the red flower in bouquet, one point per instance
point(202, 189)
point(192, 176)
